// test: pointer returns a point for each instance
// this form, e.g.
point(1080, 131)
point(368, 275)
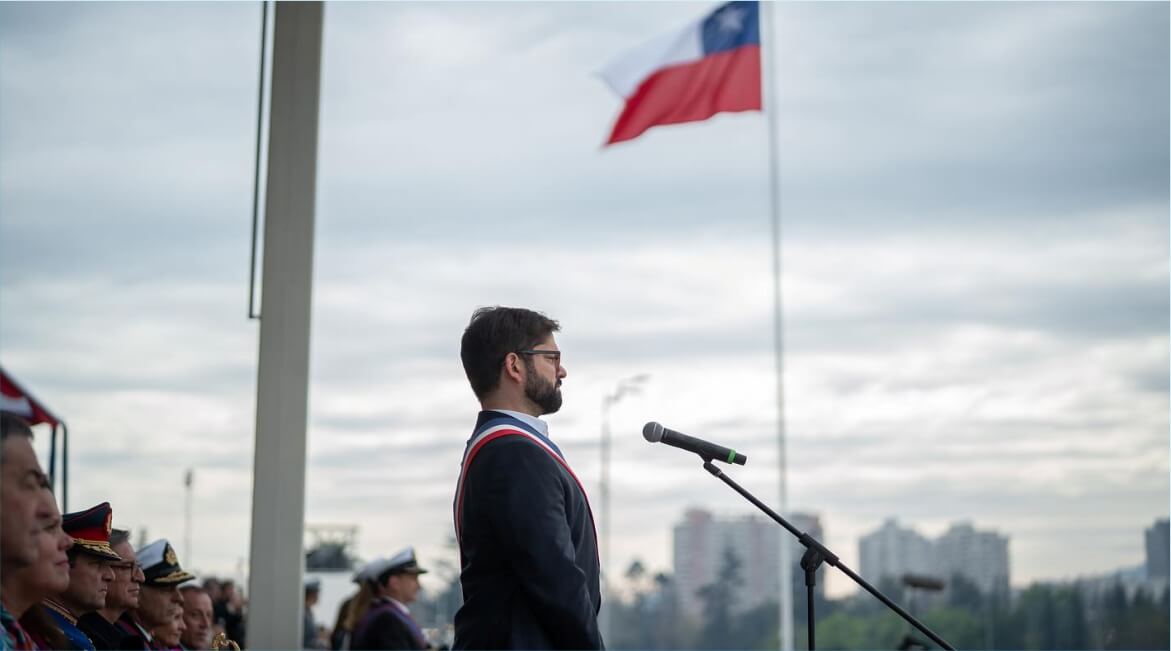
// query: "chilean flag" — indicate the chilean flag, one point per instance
point(711, 66)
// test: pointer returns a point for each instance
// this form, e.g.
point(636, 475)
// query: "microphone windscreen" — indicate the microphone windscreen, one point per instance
point(652, 432)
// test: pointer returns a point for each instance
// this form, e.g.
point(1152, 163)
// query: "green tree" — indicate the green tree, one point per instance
point(756, 628)
point(650, 617)
point(1114, 611)
point(852, 630)
point(719, 598)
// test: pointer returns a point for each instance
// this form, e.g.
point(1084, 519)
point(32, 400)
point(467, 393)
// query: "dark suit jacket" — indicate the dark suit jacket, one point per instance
point(106, 635)
point(382, 629)
point(528, 549)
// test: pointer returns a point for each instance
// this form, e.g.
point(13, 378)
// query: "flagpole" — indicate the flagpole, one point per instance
point(772, 109)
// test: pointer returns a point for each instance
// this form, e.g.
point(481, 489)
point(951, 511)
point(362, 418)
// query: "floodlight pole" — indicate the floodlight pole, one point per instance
point(625, 387)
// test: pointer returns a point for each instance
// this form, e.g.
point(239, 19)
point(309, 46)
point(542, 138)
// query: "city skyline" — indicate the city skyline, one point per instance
point(1145, 541)
point(974, 264)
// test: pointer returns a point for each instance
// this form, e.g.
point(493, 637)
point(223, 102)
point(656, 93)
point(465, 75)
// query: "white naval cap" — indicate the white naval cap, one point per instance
point(403, 562)
point(363, 574)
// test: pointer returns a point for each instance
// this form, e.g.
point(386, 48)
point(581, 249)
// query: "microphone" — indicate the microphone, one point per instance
point(656, 433)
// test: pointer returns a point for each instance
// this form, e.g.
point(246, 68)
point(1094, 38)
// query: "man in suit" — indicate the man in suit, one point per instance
point(101, 625)
point(197, 617)
point(388, 623)
point(528, 547)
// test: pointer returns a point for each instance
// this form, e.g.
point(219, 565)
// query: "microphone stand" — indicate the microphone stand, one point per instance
point(816, 554)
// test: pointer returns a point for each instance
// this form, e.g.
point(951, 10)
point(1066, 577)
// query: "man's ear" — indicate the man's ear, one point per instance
point(513, 368)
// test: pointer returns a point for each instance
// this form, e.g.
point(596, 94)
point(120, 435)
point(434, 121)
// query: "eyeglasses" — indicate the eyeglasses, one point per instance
point(126, 565)
point(555, 355)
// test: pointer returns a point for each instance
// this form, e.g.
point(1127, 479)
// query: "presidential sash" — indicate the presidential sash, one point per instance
point(498, 428)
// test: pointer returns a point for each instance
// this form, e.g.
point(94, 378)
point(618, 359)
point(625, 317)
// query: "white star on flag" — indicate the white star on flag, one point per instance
point(731, 19)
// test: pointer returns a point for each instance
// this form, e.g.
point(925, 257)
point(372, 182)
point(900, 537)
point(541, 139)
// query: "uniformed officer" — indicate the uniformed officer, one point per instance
point(388, 623)
point(90, 572)
point(160, 601)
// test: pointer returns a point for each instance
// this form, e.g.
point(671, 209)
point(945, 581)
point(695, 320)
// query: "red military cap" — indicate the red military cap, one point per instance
point(90, 530)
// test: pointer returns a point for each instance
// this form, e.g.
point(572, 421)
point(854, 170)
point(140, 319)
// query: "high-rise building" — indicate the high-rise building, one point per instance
point(1158, 550)
point(700, 542)
point(893, 551)
point(979, 556)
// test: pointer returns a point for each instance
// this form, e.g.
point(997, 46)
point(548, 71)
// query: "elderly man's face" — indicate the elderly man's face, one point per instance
point(156, 605)
point(89, 581)
point(197, 617)
point(22, 487)
point(128, 578)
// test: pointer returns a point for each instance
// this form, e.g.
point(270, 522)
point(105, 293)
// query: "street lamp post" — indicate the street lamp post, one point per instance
point(625, 387)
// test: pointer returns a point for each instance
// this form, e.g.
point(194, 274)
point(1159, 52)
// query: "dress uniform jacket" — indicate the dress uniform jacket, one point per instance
point(528, 547)
point(385, 626)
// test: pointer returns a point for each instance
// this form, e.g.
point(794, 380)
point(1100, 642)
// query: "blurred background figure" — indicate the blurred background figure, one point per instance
point(229, 612)
point(211, 586)
point(309, 622)
point(354, 609)
point(339, 637)
point(197, 617)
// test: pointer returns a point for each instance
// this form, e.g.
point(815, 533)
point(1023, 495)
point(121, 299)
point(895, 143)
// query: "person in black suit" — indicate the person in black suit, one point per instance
point(528, 546)
point(101, 625)
point(388, 623)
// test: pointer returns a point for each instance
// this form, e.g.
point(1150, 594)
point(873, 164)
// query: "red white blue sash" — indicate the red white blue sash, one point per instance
point(489, 434)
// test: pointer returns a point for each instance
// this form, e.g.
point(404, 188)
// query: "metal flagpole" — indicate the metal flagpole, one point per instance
point(772, 109)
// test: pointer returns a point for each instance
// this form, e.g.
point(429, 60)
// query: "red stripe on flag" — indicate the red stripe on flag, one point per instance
point(720, 83)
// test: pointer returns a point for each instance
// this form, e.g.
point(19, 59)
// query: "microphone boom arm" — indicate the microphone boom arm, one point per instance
point(815, 554)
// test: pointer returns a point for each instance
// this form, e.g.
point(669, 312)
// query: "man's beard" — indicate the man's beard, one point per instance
point(545, 395)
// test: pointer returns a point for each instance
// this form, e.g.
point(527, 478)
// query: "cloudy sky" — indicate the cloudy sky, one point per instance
point(975, 264)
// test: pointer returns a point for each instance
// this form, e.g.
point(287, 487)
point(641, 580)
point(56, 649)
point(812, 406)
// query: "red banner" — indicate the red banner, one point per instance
point(14, 399)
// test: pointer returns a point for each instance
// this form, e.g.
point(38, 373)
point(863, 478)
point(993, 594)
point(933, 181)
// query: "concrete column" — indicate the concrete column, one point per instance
point(282, 388)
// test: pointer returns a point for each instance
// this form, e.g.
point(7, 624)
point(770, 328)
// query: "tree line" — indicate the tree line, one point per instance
point(1042, 616)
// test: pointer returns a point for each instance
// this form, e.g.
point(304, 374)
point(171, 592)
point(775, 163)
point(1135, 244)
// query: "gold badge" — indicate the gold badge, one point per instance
point(109, 520)
point(169, 556)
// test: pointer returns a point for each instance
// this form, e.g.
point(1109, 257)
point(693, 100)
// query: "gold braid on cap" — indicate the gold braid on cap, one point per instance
point(178, 576)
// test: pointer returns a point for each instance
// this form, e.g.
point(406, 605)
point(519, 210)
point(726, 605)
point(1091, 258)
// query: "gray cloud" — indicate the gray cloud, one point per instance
point(975, 262)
